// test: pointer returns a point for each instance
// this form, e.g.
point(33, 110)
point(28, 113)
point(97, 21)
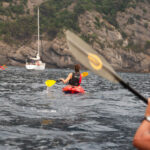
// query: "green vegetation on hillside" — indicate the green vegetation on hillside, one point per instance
point(13, 9)
point(55, 15)
point(19, 31)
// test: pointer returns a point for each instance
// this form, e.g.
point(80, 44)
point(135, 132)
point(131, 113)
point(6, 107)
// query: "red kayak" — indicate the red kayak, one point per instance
point(73, 89)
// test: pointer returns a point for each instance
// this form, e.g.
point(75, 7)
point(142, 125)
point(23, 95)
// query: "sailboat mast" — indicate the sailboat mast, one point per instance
point(38, 33)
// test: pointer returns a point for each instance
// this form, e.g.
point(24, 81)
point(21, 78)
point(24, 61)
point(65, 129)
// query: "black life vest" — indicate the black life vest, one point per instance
point(76, 79)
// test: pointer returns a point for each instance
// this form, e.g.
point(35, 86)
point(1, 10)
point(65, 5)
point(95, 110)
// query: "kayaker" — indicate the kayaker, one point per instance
point(142, 137)
point(73, 78)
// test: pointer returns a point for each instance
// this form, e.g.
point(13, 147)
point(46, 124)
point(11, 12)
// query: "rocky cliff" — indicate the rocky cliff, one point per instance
point(120, 46)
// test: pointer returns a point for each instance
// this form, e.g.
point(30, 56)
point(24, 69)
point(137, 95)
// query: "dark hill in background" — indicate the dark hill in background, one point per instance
point(117, 29)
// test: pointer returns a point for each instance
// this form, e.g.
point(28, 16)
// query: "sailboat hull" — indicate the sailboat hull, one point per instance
point(35, 67)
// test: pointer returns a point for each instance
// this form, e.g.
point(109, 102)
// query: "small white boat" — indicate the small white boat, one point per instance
point(36, 63)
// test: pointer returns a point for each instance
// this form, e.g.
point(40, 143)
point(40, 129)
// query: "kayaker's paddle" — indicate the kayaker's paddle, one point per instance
point(84, 74)
point(88, 57)
point(52, 82)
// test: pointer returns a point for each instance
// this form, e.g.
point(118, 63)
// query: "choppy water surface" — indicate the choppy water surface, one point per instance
point(33, 117)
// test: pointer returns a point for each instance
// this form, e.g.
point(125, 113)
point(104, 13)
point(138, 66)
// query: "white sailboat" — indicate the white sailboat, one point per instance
point(36, 63)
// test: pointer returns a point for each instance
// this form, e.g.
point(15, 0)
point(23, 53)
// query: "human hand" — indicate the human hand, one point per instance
point(147, 112)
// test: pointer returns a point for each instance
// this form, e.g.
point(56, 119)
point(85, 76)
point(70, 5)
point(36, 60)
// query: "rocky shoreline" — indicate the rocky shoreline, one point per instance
point(56, 55)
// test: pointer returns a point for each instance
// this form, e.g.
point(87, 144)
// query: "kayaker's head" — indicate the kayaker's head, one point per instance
point(77, 68)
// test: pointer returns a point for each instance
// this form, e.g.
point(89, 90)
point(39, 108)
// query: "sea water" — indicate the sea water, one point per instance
point(34, 117)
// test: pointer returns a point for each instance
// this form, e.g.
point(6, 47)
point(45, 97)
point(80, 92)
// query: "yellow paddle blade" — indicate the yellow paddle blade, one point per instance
point(84, 74)
point(50, 82)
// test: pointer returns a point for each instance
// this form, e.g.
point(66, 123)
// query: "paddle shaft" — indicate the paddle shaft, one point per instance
point(127, 86)
point(133, 91)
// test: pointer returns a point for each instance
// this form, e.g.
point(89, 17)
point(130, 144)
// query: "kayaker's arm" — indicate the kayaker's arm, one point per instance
point(67, 79)
point(142, 137)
